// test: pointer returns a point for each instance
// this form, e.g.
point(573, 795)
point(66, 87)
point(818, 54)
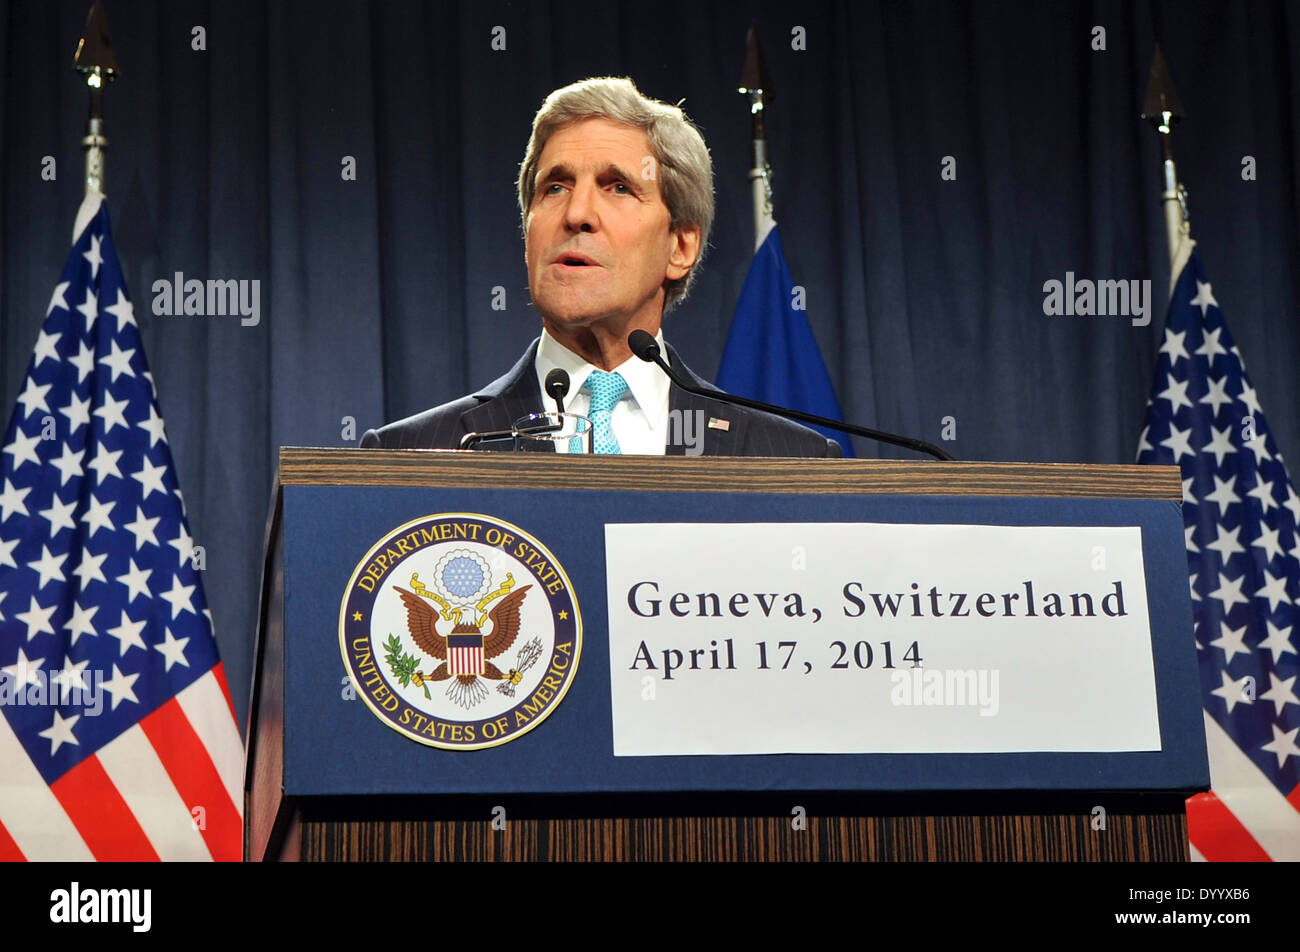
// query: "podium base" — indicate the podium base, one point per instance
point(740, 827)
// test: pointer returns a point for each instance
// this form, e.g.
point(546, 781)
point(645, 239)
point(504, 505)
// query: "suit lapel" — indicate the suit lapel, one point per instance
point(507, 398)
point(722, 427)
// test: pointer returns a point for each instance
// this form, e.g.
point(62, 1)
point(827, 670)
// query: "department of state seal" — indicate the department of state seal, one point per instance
point(460, 631)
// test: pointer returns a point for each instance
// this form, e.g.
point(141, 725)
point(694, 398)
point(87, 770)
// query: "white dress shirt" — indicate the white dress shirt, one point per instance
point(639, 420)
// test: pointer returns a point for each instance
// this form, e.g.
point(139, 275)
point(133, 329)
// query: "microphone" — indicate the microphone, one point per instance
point(646, 347)
point(557, 385)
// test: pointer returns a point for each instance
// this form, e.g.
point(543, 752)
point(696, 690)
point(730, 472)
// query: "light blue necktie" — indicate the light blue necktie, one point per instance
point(606, 390)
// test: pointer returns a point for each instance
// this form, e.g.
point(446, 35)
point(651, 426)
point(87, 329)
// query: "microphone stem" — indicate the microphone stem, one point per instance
point(920, 446)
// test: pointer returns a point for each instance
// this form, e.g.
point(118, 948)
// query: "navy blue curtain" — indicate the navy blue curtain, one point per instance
point(925, 293)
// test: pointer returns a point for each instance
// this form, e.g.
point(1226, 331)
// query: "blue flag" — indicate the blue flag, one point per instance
point(1243, 553)
point(771, 354)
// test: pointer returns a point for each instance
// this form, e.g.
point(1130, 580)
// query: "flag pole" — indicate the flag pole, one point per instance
point(1163, 109)
point(757, 86)
point(771, 354)
point(95, 61)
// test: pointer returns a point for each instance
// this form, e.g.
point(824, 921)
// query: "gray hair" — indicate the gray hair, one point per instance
point(684, 169)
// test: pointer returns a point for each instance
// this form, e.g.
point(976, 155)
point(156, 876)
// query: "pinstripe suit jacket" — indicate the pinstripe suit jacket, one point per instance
point(506, 399)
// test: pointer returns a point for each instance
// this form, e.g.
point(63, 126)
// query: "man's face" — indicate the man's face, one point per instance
point(597, 240)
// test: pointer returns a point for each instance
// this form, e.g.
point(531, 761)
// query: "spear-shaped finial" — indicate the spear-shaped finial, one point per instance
point(1162, 106)
point(757, 86)
point(95, 60)
point(754, 80)
point(1163, 109)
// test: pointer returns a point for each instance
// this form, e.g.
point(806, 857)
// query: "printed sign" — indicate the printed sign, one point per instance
point(743, 638)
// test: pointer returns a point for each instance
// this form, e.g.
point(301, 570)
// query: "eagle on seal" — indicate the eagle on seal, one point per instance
point(465, 688)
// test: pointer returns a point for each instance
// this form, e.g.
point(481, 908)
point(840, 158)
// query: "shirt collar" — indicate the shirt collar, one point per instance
point(647, 383)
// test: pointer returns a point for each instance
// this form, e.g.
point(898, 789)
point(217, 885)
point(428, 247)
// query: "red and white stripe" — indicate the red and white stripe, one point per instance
point(465, 660)
point(1244, 817)
point(168, 788)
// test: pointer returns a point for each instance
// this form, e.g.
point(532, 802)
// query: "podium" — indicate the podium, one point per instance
point(327, 779)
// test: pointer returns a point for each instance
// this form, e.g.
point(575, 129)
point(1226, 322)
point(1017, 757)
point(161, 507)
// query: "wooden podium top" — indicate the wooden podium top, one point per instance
point(309, 466)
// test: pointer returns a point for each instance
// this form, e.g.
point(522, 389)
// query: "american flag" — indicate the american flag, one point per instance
point(118, 740)
point(1243, 552)
point(465, 654)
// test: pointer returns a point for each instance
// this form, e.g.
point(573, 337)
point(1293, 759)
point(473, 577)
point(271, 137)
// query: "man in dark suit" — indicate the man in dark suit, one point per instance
point(616, 195)
point(715, 428)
